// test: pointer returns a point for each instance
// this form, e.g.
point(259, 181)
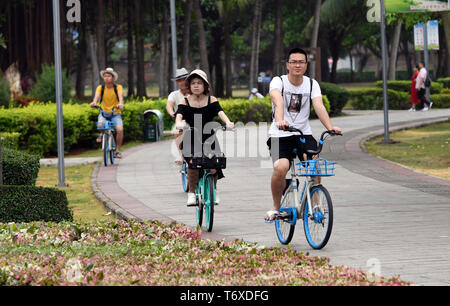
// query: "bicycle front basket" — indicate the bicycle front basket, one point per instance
point(209, 162)
point(318, 167)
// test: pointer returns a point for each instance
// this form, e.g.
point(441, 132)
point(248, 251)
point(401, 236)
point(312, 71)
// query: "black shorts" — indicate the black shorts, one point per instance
point(286, 146)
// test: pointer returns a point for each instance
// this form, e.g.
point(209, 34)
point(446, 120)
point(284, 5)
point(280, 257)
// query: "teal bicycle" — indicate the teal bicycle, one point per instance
point(206, 190)
point(314, 206)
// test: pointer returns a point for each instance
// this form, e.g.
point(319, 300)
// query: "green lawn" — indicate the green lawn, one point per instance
point(424, 149)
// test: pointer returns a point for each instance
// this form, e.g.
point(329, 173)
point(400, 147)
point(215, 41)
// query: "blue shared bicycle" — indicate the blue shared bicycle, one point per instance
point(108, 139)
point(313, 205)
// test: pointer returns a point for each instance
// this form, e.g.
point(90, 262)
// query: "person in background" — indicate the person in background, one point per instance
point(110, 96)
point(414, 99)
point(255, 94)
point(420, 86)
point(172, 104)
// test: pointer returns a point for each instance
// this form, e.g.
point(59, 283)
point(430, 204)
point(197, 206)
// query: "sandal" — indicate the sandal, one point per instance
point(118, 154)
point(270, 214)
point(99, 139)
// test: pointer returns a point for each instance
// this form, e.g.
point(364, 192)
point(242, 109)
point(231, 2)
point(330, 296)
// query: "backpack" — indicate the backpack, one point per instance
point(103, 91)
point(427, 81)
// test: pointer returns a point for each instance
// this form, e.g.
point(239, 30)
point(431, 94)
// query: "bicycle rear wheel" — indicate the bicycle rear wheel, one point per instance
point(210, 195)
point(285, 225)
point(184, 176)
point(319, 224)
point(105, 146)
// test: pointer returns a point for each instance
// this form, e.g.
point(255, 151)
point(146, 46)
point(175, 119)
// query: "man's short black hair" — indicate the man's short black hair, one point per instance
point(297, 50)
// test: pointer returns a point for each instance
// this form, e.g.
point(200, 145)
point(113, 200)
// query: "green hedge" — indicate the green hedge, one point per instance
point(10, 140)
point(440, 100)
point(444, 81)
point(30, 203)
point(337, 96)
point(372, 99)
point(405, 86)
point(19, 168)
point(37, 123)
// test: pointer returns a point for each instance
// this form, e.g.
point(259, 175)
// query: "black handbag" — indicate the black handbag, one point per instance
point(209, 162)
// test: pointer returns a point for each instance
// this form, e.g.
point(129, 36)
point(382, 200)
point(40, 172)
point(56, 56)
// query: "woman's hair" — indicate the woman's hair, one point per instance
point(417, 66)
point(206, 85)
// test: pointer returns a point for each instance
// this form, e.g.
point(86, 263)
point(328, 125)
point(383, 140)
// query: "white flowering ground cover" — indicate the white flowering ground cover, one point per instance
point(151, 253)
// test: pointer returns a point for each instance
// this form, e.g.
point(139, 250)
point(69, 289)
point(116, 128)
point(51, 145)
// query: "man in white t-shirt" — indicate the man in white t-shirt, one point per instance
point(421, 89)
point(174, 99)
point(291, 96)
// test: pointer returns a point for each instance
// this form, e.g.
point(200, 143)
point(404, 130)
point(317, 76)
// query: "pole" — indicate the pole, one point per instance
point(425, 56)
point(384, 60)
point(174, 41)
point(58, 86)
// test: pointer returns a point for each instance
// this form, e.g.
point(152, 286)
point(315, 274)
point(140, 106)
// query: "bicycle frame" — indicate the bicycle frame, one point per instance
point(304, 200)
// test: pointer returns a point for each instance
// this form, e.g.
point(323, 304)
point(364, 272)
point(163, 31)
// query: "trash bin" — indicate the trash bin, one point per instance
point(152, 125)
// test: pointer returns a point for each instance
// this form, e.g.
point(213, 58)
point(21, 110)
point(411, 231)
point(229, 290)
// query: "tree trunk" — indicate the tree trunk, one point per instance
point(445, 16)
point(101, 34)
point(186, 34)
point(315, 32)
point(94, 63)
point(228, 72)
point(130, 53)
point(394, 51)
point(83, 58)
point(256, 34)
point(164, 56)
point(141, 91)
point(277, 56)
point(204, 65)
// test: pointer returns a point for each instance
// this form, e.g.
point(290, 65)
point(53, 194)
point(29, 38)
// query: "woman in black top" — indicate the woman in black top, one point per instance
point(198, 110)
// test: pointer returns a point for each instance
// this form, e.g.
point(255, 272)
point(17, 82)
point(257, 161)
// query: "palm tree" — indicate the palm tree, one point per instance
point(227, 9)
point(204, 64)
point(256, 33)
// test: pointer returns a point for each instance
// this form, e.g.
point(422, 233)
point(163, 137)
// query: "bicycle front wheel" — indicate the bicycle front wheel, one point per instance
point(285, 225)
point(200, 203)
point(210, 195)
point(105, 145)
point(112, 150)
point(319, 223)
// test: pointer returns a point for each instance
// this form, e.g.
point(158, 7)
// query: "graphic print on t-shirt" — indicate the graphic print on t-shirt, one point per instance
point(295, 104)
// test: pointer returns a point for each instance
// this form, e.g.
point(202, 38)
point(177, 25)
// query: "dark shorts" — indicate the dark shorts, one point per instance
point(283, 147)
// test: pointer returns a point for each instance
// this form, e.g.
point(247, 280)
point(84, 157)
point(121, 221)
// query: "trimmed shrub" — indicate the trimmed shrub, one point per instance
point(44, 88)
point(30, 203)
point(5, 95)
point(19, 168)
point(337, 97)
point(441, 100)
point(10, 140)
point(405, 86)
point(372, 99)
point(444, 81)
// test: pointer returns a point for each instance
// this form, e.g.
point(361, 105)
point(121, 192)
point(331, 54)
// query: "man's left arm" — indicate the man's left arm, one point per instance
point(322, 113)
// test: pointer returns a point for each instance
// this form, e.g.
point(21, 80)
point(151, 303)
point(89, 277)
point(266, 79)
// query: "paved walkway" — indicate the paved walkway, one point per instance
point(388, 219)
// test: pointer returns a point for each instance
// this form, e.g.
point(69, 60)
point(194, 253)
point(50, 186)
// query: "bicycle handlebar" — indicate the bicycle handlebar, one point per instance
point(321, 142)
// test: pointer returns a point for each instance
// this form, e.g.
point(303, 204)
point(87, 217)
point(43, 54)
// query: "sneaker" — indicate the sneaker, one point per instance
point(217, 199)
point(424, 109)
point(431, 104)
point(412, 109)
point(192, 199)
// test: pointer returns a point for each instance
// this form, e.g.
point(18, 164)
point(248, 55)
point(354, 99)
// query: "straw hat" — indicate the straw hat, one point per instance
point(180, 74)
point(198, 73)
point(111, 72)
